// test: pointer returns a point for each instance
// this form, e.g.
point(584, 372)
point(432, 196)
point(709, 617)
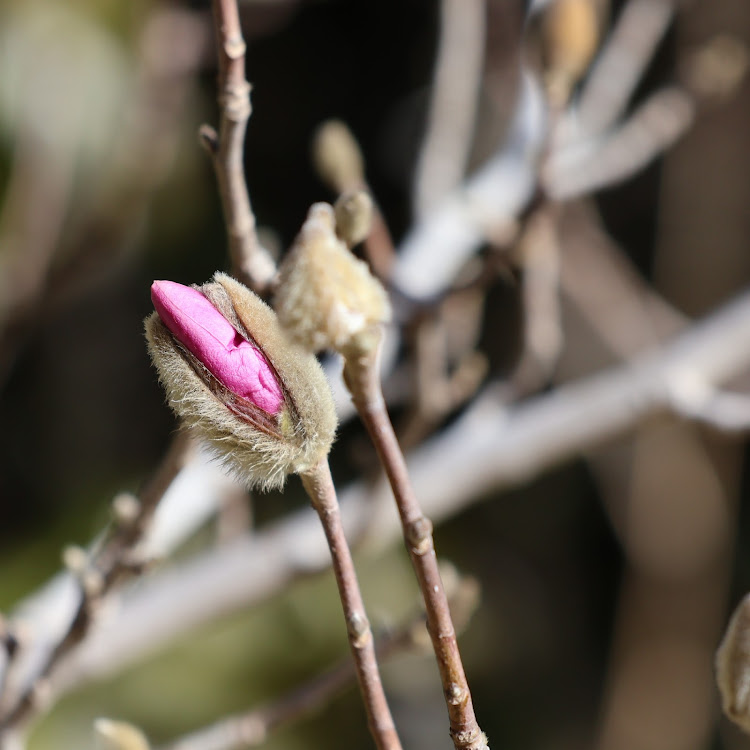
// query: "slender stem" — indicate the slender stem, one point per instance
point(319, 487)
point(251, 263)
point(361, 375)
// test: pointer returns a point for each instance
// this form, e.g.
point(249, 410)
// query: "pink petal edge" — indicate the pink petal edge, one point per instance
point(207, 334)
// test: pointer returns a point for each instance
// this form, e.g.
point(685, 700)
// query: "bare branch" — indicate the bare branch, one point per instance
point(318, 484)
point(622, 62)
point(362, 378)
point(251, 263)
point(651, 130)
point(450, 125)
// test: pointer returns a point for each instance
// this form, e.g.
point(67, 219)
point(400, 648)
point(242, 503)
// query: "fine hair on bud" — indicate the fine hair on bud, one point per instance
point(337, 156)
point(261, 443)
point(327, 298)
point(353, 211)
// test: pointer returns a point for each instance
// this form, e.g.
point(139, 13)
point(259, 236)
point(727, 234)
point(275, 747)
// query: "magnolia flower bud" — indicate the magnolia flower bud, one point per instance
point(232, 374)
point(326, 297)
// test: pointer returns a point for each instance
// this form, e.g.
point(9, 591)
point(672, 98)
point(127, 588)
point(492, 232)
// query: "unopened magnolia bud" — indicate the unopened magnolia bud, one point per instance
point(233, 375)
point(733, 666)
point(353, 212)
point(326, 297)
point(118, 735)
point(571, 36)
point(337, 157)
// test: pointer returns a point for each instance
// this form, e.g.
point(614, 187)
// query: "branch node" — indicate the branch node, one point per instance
point(419, 535)
point(471, 739)
point(209, 139)
point(234, 102)
point(455, 694)
point(359, 629)
point(234, 47)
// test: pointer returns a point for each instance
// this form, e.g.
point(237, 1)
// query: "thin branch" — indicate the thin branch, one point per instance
point(453, 106)
point(319, 486)
point(651, 130)
point(539, 251)
point(484, 206)
point(362, 378)
point(623, 310)
point(251, 263)
point(621, 64)
point(722, 410)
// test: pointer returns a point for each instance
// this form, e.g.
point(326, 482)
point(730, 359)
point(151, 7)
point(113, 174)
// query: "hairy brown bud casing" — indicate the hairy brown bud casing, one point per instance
point(260, 446)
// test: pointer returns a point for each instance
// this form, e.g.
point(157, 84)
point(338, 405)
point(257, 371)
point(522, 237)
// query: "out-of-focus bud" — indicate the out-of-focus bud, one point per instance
point(733, 666)
point(118, 735)
point(353, 212)
point(327, 298)
point(232, 374)
point(570, 31)
point(337, 156)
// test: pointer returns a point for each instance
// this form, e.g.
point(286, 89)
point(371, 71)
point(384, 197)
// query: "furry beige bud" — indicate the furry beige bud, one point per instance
point(353, 212)
point(337, 156)
point(261, 446)
point(326, 297)
point(733, 666)
point(118, 735)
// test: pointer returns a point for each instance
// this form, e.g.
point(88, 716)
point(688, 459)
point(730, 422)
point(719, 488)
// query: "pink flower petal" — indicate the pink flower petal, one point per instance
point(233, 360)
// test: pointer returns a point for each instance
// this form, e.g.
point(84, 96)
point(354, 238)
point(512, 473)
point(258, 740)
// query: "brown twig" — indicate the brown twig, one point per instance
point(319, 486)
point(112, 559)
point(362, 379)
point(251, 263)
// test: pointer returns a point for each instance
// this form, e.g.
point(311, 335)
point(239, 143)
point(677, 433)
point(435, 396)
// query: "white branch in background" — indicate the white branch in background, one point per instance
point(493, 446)
point(621, 64)
point(436, 248)
point(697, 400)
point(453, 106)
point(46, 615)
point(584, 168)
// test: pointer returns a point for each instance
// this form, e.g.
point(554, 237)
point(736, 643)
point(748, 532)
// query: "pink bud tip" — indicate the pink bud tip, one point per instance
point(207, 334)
